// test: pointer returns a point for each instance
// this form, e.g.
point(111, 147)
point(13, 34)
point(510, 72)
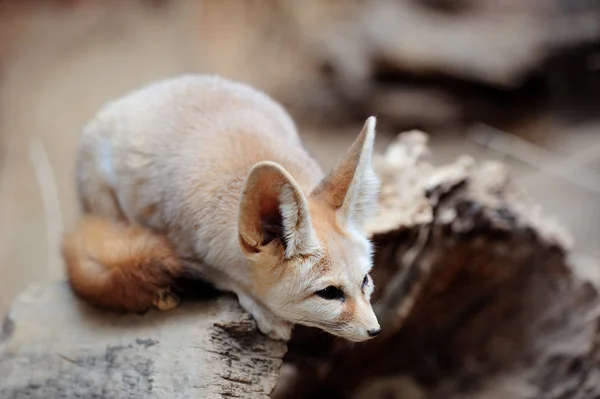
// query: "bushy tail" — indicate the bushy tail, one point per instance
point(120, 267)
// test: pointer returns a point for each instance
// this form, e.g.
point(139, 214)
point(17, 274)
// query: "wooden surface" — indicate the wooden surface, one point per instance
point(54, 346)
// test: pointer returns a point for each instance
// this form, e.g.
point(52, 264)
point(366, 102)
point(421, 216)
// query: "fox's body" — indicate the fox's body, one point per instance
point(202, 168)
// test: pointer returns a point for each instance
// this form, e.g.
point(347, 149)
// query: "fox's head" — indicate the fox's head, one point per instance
point(310, 255)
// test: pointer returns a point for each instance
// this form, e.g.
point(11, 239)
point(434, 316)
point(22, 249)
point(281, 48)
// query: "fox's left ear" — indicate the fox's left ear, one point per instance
point(273, 207)
point(352, 187)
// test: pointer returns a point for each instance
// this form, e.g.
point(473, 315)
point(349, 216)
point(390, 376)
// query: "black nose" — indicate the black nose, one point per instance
point(374, 333)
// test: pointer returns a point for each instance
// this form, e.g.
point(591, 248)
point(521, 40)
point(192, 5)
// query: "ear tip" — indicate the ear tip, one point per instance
point(265, 166)
point(371, 122)
point(269, 170)
point(369, 127)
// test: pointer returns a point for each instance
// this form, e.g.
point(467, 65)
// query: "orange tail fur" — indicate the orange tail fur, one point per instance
point(120, 267)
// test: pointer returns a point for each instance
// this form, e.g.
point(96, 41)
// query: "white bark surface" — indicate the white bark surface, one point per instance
point(54, 346)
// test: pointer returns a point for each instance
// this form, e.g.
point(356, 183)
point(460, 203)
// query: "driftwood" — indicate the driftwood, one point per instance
point(475, 295)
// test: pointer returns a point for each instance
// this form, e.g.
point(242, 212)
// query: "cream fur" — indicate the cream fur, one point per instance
point(180, 155)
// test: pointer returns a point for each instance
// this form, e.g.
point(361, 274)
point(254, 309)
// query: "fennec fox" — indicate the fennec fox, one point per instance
point(205, 169)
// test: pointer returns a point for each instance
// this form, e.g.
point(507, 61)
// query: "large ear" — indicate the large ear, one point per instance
point(352, 187)
point(273, 207)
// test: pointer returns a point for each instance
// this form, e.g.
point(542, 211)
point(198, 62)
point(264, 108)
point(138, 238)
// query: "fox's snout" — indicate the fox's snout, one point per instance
point(367, 326)
point(374, 332)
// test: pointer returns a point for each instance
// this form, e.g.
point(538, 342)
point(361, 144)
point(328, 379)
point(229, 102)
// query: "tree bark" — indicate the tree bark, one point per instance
point(54, 346)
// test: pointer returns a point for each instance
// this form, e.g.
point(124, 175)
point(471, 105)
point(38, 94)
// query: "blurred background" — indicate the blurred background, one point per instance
point(513, 80)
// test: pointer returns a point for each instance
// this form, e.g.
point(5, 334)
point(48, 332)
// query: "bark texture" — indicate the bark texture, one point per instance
point(54, 346)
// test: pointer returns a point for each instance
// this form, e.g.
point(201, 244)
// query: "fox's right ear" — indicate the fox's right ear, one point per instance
point(273, 207)
point(352, 187)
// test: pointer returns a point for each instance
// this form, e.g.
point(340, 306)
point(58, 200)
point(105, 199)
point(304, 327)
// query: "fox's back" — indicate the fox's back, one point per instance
point(174, 155)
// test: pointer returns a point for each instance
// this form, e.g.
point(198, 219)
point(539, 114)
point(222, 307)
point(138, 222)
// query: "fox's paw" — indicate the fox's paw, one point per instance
point(267, 322)
point(278, 330)
point(165, 299)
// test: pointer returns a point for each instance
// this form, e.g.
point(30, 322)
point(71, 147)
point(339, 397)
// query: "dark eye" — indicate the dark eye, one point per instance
point(365, 281)
point(331, 292)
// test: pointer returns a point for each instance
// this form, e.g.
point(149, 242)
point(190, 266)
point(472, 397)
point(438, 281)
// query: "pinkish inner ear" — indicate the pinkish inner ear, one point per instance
point(273, 207)
point(272, 222)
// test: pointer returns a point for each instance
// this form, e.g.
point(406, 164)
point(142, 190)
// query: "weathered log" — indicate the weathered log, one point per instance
point(54, 346)
point(474, 291)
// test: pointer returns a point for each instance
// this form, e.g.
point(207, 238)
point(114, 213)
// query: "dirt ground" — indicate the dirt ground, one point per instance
point(58, 68)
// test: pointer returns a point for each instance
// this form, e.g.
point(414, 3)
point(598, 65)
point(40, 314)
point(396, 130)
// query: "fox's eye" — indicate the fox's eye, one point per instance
point(365, 281)
point(331, 292)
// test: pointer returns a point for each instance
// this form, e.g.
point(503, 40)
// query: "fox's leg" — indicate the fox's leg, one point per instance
point(267, 322)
